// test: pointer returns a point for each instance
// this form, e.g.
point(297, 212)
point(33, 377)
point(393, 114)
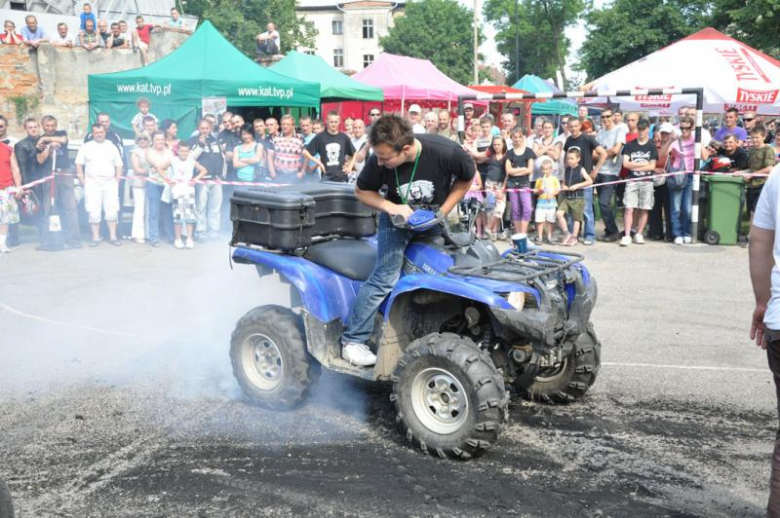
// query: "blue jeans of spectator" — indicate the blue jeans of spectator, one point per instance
point(590, 218)
point(153, 194)
point(391, 244)
point(605, 202)
point(208, 203)
point(680, 202)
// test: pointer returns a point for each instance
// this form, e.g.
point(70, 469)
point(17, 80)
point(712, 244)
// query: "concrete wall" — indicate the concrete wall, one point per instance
point(58, 78)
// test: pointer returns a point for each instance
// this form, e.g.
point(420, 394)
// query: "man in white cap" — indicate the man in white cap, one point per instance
point(414, 118)
point(468, 113)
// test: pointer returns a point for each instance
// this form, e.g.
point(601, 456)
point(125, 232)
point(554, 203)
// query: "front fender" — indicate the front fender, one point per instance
point(450, 285)
point(324, 293)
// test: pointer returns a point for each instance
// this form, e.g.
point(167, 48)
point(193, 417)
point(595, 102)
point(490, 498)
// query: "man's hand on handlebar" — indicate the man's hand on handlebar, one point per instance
point(400, 210)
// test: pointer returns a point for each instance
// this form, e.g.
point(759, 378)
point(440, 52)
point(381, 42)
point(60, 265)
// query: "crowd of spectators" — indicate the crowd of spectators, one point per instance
point(545, 175)
point(92, 33)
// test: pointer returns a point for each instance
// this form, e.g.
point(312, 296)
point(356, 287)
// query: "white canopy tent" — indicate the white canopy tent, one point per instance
point(731, 73)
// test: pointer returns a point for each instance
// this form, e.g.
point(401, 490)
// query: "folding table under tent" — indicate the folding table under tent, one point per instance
point(733, 74)
point(206, 65)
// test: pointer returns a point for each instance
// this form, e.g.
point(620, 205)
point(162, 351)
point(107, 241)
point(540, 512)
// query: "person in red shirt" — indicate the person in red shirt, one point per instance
point(10, 181)
point(10, 36)
point(142, 35)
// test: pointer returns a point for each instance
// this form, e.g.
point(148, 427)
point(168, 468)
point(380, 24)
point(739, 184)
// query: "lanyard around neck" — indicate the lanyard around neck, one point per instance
point(405, 197)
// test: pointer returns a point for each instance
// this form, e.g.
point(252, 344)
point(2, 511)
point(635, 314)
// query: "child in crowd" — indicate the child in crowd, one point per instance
point(575, 178)
point(183, 193)
point(143, 106)
point(87, 14)
point(496, 184)
point(519, 167)
point(761, 160)
point(475, 193)
point(547, 188)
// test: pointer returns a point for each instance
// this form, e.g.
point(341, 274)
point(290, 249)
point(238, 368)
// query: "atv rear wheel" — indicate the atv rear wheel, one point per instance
point(269, 357)
point(449, 396)
point(6, 506)
point(570, 380)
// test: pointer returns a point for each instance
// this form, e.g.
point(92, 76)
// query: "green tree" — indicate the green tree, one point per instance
point(754, 23)
point(539, 27)
point(627, 30)
point(240, 21)
point(438, 30)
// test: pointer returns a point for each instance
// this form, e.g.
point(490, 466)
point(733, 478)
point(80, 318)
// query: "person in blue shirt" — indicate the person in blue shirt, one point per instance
point(87, 14)
point(33, 35)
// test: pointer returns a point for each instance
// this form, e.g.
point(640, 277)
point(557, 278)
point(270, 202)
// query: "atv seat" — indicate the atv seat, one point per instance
point(352, 258)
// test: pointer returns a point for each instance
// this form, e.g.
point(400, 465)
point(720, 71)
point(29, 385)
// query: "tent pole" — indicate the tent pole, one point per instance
point(697, 166)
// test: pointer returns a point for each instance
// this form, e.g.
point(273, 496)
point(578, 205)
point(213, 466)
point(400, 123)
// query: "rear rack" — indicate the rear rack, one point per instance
point(522, 267)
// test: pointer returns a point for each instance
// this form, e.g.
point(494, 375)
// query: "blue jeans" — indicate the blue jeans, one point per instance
point(680, 202)
point(590, 218)
point(391, 245)
point(605, 203)
point(153, 194)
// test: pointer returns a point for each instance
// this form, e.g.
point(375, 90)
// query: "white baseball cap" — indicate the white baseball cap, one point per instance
point(415, 108)
point(666, 127)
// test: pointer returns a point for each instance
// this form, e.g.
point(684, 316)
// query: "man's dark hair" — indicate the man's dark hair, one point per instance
point(101, 114)
point(733, 110)
point(758, 129)
point(28, 120)
point(617, 110)
point(114, 24)
point(485, 120)
point(335, 113)
point(207, 121)
point(574, 151)
point(47, 118)
point(316, 121)
point(392, 130)
point(96, 126)
point(148, 118)
point(184, 143)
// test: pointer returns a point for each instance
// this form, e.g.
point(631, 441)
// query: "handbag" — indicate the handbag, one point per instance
point(680, 180)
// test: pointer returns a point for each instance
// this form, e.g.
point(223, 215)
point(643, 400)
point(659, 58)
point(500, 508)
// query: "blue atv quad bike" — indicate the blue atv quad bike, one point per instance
point(462, 321)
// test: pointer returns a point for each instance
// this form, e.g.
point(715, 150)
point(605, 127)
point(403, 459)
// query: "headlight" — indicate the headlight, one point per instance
point(517, 300)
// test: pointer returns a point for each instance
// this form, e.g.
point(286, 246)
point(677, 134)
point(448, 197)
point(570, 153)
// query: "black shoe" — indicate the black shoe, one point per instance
point(609, 238)
point(76, 245)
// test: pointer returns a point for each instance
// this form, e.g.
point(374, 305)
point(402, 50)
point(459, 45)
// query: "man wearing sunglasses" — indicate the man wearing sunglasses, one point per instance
point(750, 120)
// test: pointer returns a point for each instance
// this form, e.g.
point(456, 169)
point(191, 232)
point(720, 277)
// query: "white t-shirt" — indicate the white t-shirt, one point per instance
point(59, 41)
point(99, 159)
point(767, 217)
point(418, 128)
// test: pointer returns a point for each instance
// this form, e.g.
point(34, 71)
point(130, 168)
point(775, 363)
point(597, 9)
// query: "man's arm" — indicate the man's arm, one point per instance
point(761, 263)
point(16, 174)
point(80, 173)
point(374, 200)
point(601, 155)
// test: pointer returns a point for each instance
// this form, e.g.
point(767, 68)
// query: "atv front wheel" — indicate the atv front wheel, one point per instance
point(269, 357)
point(6, 506)
point(570, 380)
point(449, 396)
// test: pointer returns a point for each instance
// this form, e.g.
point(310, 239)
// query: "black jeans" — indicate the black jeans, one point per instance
point(605, 202)
point(773, 356)
point(661, 212)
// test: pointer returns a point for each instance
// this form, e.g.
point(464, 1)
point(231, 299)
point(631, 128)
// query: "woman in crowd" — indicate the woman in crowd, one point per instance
point(548, 146)
point(247, 155)
point(10, 36)
point(495, 185)
point(159, 159)
point(141, 172)
point(171, 132)
point(776, 144)
point(681, 153)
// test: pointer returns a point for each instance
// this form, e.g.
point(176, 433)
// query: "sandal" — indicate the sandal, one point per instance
point(116, 242)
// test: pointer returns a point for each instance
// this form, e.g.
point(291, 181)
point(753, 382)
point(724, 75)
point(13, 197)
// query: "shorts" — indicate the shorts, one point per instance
point(101, 195)
point(639, 195)
point(9, 209)
point(573, 206)
point(753, 194)
point(184, 209)
point(496, 193)
point(141, 45)
point(545, 213)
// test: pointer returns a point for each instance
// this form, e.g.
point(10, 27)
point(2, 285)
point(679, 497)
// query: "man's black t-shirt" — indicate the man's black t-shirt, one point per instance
point(640, 154)
point(210, 155)
point(26, 155)
point(586, 144)
point(63, 160)
point(739, 158)
point(519, 160)
point(442, 161)
point(333, 151)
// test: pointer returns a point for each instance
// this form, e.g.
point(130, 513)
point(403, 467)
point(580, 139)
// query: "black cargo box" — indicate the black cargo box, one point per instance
point(335, 211)
point(279, 220)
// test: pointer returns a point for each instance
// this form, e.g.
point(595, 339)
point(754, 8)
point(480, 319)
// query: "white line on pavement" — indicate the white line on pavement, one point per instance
point(684, 367)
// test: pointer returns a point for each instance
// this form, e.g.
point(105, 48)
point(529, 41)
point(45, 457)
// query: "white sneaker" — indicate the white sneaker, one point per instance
point(178, 244)
point(687, 240)
point(4, 249)
point(678, 240)
point(639, 239)
point(358, 354)
point(625, 240)
point(190, 243)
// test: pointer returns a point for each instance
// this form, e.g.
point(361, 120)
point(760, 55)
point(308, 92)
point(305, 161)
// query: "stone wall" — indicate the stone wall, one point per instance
point(57, 78)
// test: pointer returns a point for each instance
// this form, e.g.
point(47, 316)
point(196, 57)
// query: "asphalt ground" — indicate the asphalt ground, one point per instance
point(117, 399)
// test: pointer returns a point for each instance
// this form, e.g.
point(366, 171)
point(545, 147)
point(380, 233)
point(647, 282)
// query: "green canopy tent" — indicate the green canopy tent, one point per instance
point(334, 85)
point(535, 85)
point(206, 65)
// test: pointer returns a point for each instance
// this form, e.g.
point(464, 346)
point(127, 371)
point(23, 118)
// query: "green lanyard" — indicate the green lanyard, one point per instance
point(405, 197)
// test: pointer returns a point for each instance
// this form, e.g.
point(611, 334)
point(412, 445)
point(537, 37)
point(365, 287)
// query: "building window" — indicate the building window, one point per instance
point(338, 27)
point(338, 58)
point(368, 29)
point(309, 52)
point(367, 59)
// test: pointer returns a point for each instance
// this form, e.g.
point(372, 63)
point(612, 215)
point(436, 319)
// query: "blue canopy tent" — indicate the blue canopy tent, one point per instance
point(536, 85)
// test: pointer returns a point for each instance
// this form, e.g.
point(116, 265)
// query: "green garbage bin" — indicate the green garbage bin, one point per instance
point(724, 210)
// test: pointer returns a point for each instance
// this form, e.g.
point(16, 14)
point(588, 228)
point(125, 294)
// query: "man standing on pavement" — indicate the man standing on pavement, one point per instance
point(764, 251)
point(311, 171)
point(288, 151)
point(335, 147)
point(99, 166)
point(587, 146)
point(124, 228)
point(418, 170)
point(227, 141)
point(208, 197)
point(26, 152)
point(53, 156)
point(639, 157)
point(612, 140)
